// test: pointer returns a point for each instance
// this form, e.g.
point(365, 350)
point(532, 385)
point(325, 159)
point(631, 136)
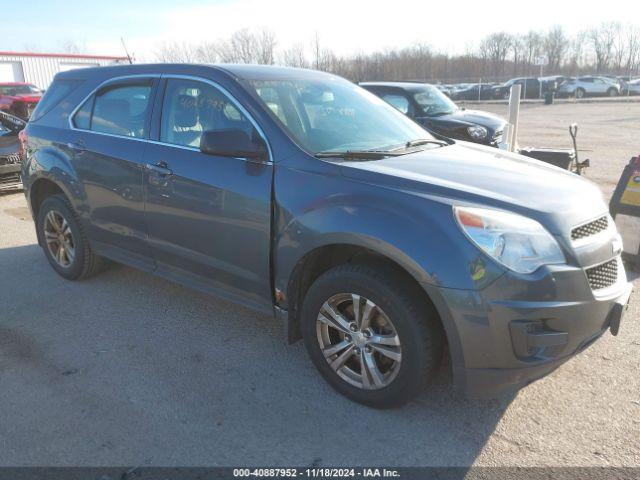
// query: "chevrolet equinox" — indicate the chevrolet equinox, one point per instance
point(302, 195)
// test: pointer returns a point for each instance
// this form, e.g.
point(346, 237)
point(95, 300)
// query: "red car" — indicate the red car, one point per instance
point(19, 99)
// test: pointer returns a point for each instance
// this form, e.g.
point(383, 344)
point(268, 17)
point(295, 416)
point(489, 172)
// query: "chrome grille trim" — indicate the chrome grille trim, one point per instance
point(590, 228)
point(603, 275)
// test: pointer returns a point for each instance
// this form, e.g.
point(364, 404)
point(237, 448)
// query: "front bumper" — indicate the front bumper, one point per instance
point(518, 330)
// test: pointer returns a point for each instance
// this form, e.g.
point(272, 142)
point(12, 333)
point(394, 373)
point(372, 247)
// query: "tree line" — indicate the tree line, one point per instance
point(609, 48)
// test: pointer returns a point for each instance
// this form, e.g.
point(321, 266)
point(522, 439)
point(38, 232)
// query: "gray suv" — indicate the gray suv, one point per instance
point(589, 87)
point(301, 195)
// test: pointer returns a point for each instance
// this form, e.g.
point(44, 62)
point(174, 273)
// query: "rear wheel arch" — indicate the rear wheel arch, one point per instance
point(40, 190)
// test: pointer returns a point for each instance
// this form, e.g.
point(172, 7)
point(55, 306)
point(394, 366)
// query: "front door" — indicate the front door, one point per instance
point(209, 217)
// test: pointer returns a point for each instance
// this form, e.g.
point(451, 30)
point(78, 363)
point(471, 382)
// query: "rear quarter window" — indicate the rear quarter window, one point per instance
point(58, 90)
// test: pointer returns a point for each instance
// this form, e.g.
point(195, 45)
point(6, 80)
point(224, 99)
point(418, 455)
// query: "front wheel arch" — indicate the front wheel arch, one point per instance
point(320, 260)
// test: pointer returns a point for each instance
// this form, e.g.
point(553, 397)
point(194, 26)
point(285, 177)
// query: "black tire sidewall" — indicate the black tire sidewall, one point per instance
point(58, 204)
point(419, 361)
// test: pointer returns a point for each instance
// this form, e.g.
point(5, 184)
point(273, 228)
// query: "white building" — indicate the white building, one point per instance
point(40, 68)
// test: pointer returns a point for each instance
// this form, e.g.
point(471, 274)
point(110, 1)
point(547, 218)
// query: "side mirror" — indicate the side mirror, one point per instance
point(232, 143)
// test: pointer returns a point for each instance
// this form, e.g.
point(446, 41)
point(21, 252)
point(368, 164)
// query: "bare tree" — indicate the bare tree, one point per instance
point(629, 51)
point(576, 53)
point(602, 40)
point(518, 53)
point(208, 52)
point(532, 44)
point(495, 49)
point(555, 46)
point(497, 55)
point(266, 45)
point(294, 56)
point(73, 46)
point(324, 59)
point(176, 52)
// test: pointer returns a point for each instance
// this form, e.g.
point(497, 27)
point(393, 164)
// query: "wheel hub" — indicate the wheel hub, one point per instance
point(59, 239)
point(359, 341)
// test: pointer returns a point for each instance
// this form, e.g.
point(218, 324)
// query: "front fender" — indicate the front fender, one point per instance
point(418, 234)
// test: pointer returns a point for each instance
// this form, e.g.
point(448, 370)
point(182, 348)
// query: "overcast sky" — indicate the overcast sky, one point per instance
point(342, 25)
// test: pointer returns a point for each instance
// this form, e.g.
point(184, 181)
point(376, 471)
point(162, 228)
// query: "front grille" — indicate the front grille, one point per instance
point(12, 159)
point(10, 181)
point(591, 228)
point(603, 275)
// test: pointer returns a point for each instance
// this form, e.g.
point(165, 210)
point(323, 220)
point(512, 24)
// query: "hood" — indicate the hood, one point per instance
point(468, 118)
point(466, 173)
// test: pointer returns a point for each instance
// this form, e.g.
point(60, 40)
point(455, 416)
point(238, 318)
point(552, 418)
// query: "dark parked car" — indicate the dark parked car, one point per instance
point(301, 195)
point(19, 99)
point(10, 151)
point(476, 91)
point(530, 88)
point(430, 108)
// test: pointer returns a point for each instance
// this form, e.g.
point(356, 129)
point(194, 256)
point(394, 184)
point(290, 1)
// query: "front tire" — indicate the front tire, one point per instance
point(372, 335)
point(580, 93)
point(612, 92)
point(63, 240)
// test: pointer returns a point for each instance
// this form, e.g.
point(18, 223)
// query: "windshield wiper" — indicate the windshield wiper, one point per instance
point(357, 154)
point(424, 141)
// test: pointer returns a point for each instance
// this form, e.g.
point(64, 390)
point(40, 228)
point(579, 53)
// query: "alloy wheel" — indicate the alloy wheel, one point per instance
point(359, 341)
point(59, 239)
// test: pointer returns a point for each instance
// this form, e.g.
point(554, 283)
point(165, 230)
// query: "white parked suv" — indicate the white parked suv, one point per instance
point(590, 86)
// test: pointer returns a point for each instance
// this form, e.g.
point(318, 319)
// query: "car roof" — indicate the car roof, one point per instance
point(410, 86)
point(239, 71)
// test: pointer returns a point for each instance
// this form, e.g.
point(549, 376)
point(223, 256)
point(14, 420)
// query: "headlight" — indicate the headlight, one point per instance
point(519, 243)
point(477, 132)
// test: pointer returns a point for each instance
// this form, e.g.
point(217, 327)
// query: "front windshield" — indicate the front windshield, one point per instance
point(333, 115)
point(18, 90)
point(433, 102)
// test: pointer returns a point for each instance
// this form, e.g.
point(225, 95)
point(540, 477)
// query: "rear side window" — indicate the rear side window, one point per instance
point(57, 91)
point(398, 101)
point(118, 110)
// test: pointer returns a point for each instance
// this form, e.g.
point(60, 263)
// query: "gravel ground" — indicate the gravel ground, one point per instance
point(129, 369)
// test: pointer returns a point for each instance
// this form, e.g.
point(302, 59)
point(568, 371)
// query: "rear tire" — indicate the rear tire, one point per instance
point(63, 240)
point(579, 93)
point(400, 316)
point(612, 92)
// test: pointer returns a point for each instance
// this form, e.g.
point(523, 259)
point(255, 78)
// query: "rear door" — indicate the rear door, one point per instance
point(209, 217)
point(600, 86)
point(106, 146)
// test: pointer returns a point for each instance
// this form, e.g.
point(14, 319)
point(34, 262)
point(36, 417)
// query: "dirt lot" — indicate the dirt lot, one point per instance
point(608, 133)
point(129, 369)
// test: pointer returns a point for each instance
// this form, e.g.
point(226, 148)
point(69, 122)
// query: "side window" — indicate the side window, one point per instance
point(82, 118)
point(398, 101)
point(190, 107)
point(119, 110)
point(58, 90)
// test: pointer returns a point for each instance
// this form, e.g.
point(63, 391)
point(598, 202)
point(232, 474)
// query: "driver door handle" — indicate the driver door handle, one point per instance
point(77, 147)
point(161, 168)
